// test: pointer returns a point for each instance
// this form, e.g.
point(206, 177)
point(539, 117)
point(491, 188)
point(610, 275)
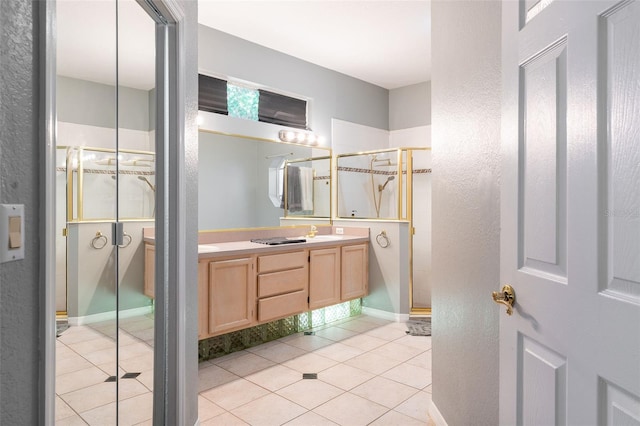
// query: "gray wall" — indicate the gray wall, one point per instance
point(333, 95)
point(93, 104)
point(19, 184)
point(410, 106)
point(466, 217)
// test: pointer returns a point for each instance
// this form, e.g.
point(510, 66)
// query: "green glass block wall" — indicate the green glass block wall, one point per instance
point(242, 102)
point(218, 346)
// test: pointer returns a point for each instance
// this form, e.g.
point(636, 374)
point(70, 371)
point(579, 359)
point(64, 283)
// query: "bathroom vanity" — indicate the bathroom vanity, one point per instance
point(242, 283)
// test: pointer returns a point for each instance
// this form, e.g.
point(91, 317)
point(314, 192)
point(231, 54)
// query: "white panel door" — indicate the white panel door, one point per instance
point(570, 216)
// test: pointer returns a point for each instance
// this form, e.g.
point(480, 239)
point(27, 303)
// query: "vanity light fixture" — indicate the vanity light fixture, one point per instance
point(298, 137)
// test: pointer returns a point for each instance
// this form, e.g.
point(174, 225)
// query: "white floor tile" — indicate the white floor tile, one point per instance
point(310, 363)
point(310, 393)
point(339, 352)
point(417, 406)
point(309, 343)
point(213, 376)
point(234, 394)
point(275, 377)
point(207, 409)
point(226, 419)
point(410, 375)
point(394, 418)
point(269, 410)
point(373, 363)
point(246, 364)
point(384, 391)
point(397, 351)
point(336, 333)
point(310, 418)
point(277, 352)
point(350, 409)
point(79, 379)
point(344, 376)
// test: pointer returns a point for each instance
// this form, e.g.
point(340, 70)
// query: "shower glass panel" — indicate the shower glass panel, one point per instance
point(421, 218)
point(393, 184)
point(375, 184)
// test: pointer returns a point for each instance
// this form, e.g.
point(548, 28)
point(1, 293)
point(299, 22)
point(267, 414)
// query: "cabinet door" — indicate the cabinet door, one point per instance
point(355, 271)
point(203, 299)
point(324, 277)
point(232, 294)
point(149, 269)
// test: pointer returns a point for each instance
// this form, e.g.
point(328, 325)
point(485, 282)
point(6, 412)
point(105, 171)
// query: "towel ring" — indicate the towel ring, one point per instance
point(382, 239)
point(125, 235)
point(99, 237)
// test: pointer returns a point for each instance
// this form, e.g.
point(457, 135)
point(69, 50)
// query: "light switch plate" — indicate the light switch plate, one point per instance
point(11, 214)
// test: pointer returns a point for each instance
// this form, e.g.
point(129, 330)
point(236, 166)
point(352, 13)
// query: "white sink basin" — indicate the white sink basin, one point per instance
point(207, 248)
point(324, 238)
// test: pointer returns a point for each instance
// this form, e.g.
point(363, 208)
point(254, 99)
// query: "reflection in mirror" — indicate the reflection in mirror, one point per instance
point(308, 187)
point(105, 173)
point(136, 172)
point(86, 304)
point(241, 185)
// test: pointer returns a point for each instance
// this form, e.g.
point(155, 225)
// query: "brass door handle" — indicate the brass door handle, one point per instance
point(506, 297)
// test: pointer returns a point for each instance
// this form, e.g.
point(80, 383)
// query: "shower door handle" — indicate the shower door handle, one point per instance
point(117, 233)
point(506, 297)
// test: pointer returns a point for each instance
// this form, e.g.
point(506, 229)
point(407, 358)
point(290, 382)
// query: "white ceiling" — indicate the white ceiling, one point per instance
point(386, 43)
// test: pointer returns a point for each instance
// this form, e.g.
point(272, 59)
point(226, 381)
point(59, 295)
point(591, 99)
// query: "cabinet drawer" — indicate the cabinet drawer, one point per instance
point(282, 282)
point(282, 306)
point(279, 262)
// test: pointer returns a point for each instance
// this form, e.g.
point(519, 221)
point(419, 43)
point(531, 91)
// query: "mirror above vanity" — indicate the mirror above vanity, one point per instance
point(241, 177)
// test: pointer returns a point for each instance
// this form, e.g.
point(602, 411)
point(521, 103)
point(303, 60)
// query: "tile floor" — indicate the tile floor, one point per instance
point(369, 372)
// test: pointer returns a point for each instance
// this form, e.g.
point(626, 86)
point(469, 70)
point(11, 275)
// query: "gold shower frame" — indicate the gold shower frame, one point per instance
point(408, 217)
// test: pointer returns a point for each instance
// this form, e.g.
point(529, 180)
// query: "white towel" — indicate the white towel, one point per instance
point(306, 186)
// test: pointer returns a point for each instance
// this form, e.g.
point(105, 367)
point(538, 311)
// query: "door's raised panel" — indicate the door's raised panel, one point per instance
point(543, 157)
point(529, 9)
point(324, 277)
point(275, 307)
point(618, 407)
point(282, 282)
point(542, 385)
point(354, 267)
point(280, 262)
point(621, 36)
point(232, 294)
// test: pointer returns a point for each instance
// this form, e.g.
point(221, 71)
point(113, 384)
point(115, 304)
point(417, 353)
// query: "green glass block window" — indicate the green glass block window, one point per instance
point(242, 102)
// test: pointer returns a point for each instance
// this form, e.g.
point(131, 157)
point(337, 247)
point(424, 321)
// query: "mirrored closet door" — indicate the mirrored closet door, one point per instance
point(105, 105)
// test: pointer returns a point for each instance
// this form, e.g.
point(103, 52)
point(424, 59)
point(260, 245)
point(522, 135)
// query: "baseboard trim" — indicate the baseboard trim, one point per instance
point(106, 316)
point(390, 316)
point(435, 415)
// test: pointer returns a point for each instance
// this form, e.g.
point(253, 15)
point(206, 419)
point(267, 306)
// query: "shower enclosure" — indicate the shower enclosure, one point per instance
point(88, 177)
point(393, 185)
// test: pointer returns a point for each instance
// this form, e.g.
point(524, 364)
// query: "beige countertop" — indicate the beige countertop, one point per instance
point(247, 247)
point(213, 244)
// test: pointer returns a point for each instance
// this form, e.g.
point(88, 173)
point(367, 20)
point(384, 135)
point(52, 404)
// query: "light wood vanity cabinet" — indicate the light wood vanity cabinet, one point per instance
point(283, 282)
point(149, 270)
point(355, 271)
point(237, 292)
point(232, 290)
point(324, 277)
